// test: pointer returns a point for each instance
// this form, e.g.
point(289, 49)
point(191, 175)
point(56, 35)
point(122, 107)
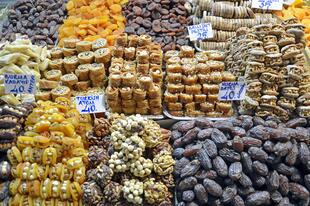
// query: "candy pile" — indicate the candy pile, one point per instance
point(271, 59)
point(48, 163)
point(193, 83)
point(135, 76)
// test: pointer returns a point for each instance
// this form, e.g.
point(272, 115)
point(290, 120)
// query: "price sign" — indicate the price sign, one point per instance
point(232, 91)
point(267, 4)
point(90, 104)
point(19, 84)
point(200, 31)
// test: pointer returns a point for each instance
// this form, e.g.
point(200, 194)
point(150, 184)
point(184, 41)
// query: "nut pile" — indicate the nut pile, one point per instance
point(134, 174)
point(38, 19)
point(48, 162)
point(135, 76)
point(77, 67)
point(271, 59)
point(92, 20)
point(242, 161)
point(165, 21)
point(193, 83)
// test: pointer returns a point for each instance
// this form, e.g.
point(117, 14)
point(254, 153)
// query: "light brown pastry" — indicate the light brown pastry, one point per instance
point(43, 95)
point(122, 40)
point(129, 79)
point(70, 64)
point(112, 93)
point(99, 44)
point(82, 85)
point(126, 93)
point(69, 80)
point(61, 91)
point(115, 79)
point(48, 84)
point(139, 94)
point(57, 53)
point(168, 97)
point(53, 75)
point(82, 72)
point(103, 55)
point(67, 52)
point(70, 43)
point(83, 46)
point(56, 64)
point(86, 57)
point(146, 82)
point(129, 53)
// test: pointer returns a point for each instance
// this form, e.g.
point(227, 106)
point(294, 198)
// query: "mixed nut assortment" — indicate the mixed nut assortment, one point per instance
point(193, 83)
point(38, 19)
point(269, 57)
point(135, 76)
point(242, 161)
point(165, 21)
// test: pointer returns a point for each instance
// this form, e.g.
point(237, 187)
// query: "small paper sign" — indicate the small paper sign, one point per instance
point(19, 84)
point(232, 91)
point(200, 31)
point(267, 4)
point(90, 104)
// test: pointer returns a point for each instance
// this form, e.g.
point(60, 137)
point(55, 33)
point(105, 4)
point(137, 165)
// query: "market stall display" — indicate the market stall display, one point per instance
point(91, 20)
point(38, 19)
point(192, 83)
point(135, 76)
point(49, 161)
point(164, 21)
point(270, 59)
point(242, 161)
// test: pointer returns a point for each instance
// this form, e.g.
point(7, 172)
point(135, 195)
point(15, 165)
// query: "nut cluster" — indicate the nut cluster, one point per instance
point(270, 58)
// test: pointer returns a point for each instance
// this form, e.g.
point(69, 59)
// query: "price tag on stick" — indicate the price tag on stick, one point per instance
point(19, 84)
point(90, 104)
point(230, 91)
point(200, 31)
point(267, 4)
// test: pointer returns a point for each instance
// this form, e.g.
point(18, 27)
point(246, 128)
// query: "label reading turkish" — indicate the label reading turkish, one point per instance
point(90, 104)
point(267, 4)
point(230, 91)
point(200, 31)
point(19, 84)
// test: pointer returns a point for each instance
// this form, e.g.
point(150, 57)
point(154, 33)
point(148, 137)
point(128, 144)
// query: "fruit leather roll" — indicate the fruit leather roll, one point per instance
point(143, 103)
point(129, 79)
point(70, 63)
point(186, 98)
point(193, 89)
point(82, 85)
point(156, 110)
point(154, 92)
point(112, 93)
point(60, 91)
point(126, 93)
point(173, 98)
point(118, 52)
point(103, 56)
point(56, 53)
point(177, 106)
point(143, 68)
point(82, 72)
point(67, 52)
point(174, 68)
point(115, 79)
point(146, 82)
point(53, 75)
point(57, 64)
point(99, 44)
point(96, 72)
point(190, 79)
point(87, 57)
point(203, 68)
point(69, 80)
point(139, 94)
point(175, 88)
point(144, 40)
point(122, 40)
point(133, 41)
point(142, 56)
point(83, 46)
point(157, 102)
point(174, 78)
point(157, 75)
point(129, 53)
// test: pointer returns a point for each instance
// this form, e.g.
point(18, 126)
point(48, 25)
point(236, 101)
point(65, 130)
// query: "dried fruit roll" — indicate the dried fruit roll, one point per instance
point(67, 52)
point(139, 94)
point(69, 80)
point(99, 44)
point(82, 72)
point(157, 75)
point(86, 57)
point(103, 55)
point(82, 85)
point(70, 43)
point(112, 93)
point(96, 72)
point(129, 53)
point(133, 41)
point(156, 58)
point(71, 63)
point(115, 80)
point(53, 75)
point(146, 82)
point(83, 46)
point(128, 79)
point(56, 64)
point(47, 84)
point(61, 91)
point(122, 40)
point(57, 53)
point(43, 95)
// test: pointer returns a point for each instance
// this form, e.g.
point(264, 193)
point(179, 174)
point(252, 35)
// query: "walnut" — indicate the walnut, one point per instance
point(102, 175)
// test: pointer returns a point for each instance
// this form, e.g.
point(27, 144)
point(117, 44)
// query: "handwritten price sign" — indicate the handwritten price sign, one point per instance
point(90, 104)
point(230, 91)
point(200, 31)
point(267, 4)
point(19, 84)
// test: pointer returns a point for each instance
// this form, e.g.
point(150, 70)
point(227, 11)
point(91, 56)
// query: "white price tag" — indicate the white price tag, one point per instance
point(200, 31)
point(19, 84)
point(232, 91)
point(267, 4)
point(90, 104)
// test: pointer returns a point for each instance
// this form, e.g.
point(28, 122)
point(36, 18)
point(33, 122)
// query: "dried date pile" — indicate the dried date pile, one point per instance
point(242, 161)
point(38, 19)
point(164, 20)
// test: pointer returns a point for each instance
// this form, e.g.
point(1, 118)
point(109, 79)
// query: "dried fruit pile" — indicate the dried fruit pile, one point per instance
point(93, 19)
point(74, 69)
point(242, 161)
point(38, 19)
point(48, 163)
point(193, 83)
point(270, 58)
point(164, 20)
point(138, 170)
point(135, 76)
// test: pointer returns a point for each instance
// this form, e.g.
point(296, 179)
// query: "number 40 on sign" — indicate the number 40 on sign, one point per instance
point(230, 91)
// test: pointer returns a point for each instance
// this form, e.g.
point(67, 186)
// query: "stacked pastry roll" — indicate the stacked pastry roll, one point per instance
point(76, 67)
point(135, 76)
point(192, 83)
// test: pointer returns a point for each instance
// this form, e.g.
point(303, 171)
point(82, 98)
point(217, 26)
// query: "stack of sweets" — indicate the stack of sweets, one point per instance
point(135, 76)
point(193, 83)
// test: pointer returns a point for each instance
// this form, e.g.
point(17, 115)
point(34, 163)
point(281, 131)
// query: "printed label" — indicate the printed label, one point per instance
point(19, 84)
point(200, 31)
point(232, 91)
point(90, 104)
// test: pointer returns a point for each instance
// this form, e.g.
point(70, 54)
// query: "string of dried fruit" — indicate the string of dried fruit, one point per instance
point(242, 161)
point(75, 69)
point(135, 76)
point(131, 177)
point(93, 19)
point(38, 19)
point(49, 161)
point(193, 83)
point(271, 59)
point(165, 21)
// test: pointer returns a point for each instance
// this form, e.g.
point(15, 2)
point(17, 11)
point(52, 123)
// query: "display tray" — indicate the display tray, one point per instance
point(153, 117)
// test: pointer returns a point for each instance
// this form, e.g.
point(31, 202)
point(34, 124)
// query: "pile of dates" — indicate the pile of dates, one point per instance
point(38, 19)
point(164, 20)
point(242, 161)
